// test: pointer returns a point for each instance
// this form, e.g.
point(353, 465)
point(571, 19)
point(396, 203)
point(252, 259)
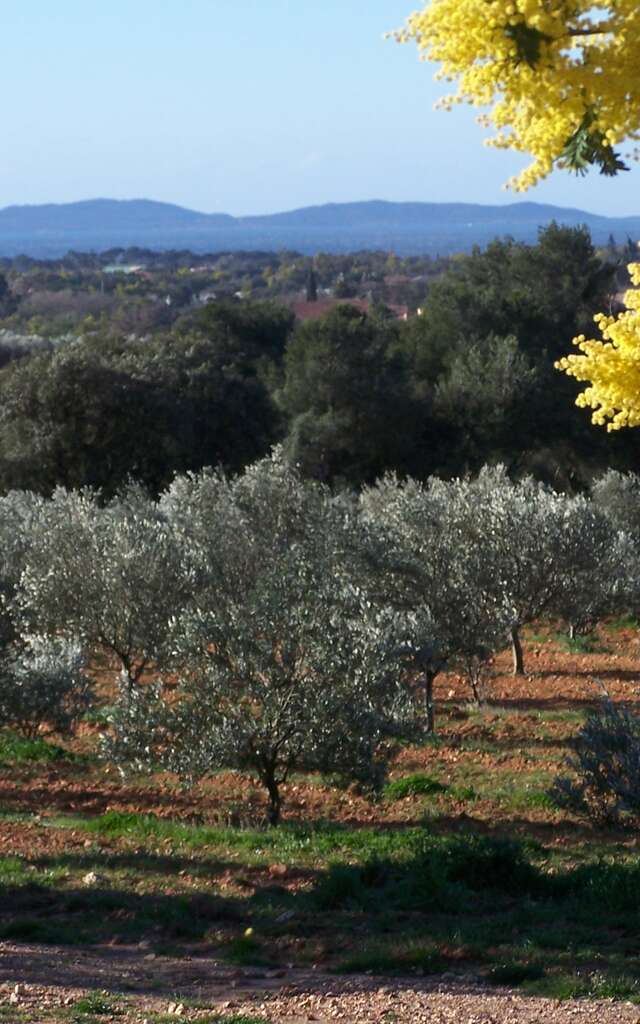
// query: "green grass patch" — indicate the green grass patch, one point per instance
point(464, 794)
point(621, 622)
point(94, 1004)
point(442, 875)
point(18, 750)
point(233, 1018)
point(100, 716)
point(525, 797)
point(419, 784)
point(479, 745)
point(582, 643)
point(586, 985)
point(13, 871)
point(313, 843)
point(412, 959)
point(498, 902)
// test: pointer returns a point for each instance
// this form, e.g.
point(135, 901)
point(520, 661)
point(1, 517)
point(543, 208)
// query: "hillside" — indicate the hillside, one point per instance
point(407, 228)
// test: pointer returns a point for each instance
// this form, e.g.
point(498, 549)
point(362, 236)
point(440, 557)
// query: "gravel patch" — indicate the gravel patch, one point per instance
point(37, 981)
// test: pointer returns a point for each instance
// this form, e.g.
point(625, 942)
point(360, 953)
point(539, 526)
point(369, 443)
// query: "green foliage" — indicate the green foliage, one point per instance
point(419, 784)
point(482, 399)
point(529, 42)
point(589, 146)
point(345, 396)
point(89, 414)
point(512, 306)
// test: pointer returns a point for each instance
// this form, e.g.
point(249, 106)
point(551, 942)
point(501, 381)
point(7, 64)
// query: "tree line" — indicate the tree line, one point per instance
point(350, 395)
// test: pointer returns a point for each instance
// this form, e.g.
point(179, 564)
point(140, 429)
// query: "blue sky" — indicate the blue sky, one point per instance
point(243, 107)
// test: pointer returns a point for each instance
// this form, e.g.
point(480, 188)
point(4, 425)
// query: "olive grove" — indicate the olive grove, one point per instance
point(267, 624)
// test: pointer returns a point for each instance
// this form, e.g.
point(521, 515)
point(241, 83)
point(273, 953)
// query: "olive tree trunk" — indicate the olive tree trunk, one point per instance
point(428, 701)
point(516, 647)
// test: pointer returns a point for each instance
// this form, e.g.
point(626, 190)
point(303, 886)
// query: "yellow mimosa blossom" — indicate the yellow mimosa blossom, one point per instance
point(612, 366)
point(561, 80)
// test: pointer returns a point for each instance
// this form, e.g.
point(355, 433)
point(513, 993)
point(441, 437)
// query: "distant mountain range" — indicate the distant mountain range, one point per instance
point(406, 228)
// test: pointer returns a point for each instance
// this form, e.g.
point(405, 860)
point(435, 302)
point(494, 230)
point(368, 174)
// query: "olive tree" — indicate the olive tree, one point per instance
point(425, 556)
point(108, 576)
point(618, 496)
point(521, 528)
point(595, 566)
point(20, 519)
point(282, 662)
point(43, 687)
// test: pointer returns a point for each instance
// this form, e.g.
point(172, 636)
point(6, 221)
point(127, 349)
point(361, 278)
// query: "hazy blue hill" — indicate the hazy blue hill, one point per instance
point(377, 212)
point(105, 214)
point(98, 224)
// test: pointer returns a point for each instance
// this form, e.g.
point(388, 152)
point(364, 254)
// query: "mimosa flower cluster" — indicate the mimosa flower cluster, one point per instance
point(611, 365)
point(562, 80)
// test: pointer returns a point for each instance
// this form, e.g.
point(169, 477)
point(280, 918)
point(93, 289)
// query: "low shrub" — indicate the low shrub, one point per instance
point(605, 784)
point(419, 784)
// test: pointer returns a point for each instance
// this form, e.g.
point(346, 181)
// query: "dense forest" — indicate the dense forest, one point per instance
point(140, 365)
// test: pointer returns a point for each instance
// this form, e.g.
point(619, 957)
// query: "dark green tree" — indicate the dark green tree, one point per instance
point(93, 413)
point(312, 286)
point(346, 399)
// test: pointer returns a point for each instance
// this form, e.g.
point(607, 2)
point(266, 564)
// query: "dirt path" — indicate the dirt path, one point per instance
point(37, 981)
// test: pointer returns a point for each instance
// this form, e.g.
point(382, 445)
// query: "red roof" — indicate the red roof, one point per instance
point(314, 310)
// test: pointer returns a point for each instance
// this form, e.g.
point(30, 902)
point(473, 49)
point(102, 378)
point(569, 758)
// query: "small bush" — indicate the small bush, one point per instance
point(43, 686)
point(605, 785)
point(419, 784)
